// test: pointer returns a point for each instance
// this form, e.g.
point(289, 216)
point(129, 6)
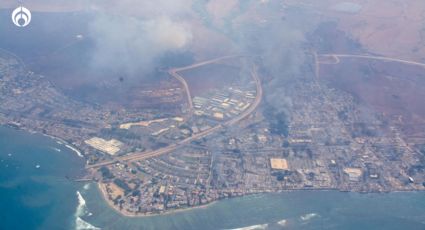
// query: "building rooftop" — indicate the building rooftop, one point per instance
point(279, 163)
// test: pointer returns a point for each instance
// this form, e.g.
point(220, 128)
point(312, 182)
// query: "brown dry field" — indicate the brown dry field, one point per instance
point(389, 28)
point(210, 77)
point(393, 89)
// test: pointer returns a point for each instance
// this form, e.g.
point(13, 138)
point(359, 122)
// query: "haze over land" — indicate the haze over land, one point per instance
point(176, 104)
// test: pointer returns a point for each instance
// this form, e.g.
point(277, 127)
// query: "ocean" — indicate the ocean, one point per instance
point(37, 192)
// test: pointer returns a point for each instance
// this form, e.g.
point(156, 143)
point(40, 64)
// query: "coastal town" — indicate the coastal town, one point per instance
point(224, 142)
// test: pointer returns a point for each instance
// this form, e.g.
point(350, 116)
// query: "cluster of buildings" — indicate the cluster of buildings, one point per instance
point(224, 104)
point(110, 147)
point(325, 149)
point(167, 182)
point(330, 144)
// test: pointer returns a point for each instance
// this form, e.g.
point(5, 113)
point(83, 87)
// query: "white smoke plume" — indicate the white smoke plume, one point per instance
point(130, 42)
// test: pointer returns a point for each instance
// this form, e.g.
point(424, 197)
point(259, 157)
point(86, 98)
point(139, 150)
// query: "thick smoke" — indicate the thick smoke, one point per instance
point(280, 48)
point(132, 45)
point(283, 58)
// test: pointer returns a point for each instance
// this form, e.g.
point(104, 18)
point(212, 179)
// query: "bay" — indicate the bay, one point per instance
point(37, 192)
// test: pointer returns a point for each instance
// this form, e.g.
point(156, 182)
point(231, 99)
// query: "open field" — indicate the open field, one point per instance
point(393, 88)
point(389, 28)
point(210, 77)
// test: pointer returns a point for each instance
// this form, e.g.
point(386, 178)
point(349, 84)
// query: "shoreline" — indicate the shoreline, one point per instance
point(125, 213)
point(65, 143)
point(58, 140)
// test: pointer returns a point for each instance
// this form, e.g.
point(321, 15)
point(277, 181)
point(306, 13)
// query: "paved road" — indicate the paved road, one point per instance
point(174, 73)
point(172, 147)
point(337, 56)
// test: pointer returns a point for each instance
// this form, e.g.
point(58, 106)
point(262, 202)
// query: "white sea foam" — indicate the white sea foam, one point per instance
point(282, 222)
point(308, 216)
point(56, 149)
point(86, 186)
point(253, 227)
point(81, 208)
point(81, 211)
point(84, 225)
point(75, 150)
point(62, 142)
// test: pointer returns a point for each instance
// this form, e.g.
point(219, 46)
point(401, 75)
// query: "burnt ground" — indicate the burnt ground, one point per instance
point(210, 77)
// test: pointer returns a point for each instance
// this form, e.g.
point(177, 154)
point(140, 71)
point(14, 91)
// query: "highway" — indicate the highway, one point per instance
point(337, 56)
point(174, 72)
point(172, 147)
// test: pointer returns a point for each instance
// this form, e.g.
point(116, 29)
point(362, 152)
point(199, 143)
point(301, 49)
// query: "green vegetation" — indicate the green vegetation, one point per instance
point(106, 173)
point(122, 184)
point(280, 176)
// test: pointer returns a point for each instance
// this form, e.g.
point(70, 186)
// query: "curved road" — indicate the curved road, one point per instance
point(172, 147)
point(174, 73)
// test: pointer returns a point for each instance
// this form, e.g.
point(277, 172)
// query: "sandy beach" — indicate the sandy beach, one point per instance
point(126, 213)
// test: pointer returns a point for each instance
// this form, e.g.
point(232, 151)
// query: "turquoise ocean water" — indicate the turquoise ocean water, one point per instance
point(35, 193)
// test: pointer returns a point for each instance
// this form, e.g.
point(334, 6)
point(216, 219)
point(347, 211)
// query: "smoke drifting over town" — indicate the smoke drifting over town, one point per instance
point(283, 58)
point(281, 48)
point(130, 36)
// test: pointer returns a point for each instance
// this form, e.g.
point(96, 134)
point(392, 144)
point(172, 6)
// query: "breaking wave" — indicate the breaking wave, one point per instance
point(75, 150)
point(253, 227)
point(81, 211)
point(309, 216)
point(86, 187)
point(56, 149)
point(84, 225)
point(282, 222)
